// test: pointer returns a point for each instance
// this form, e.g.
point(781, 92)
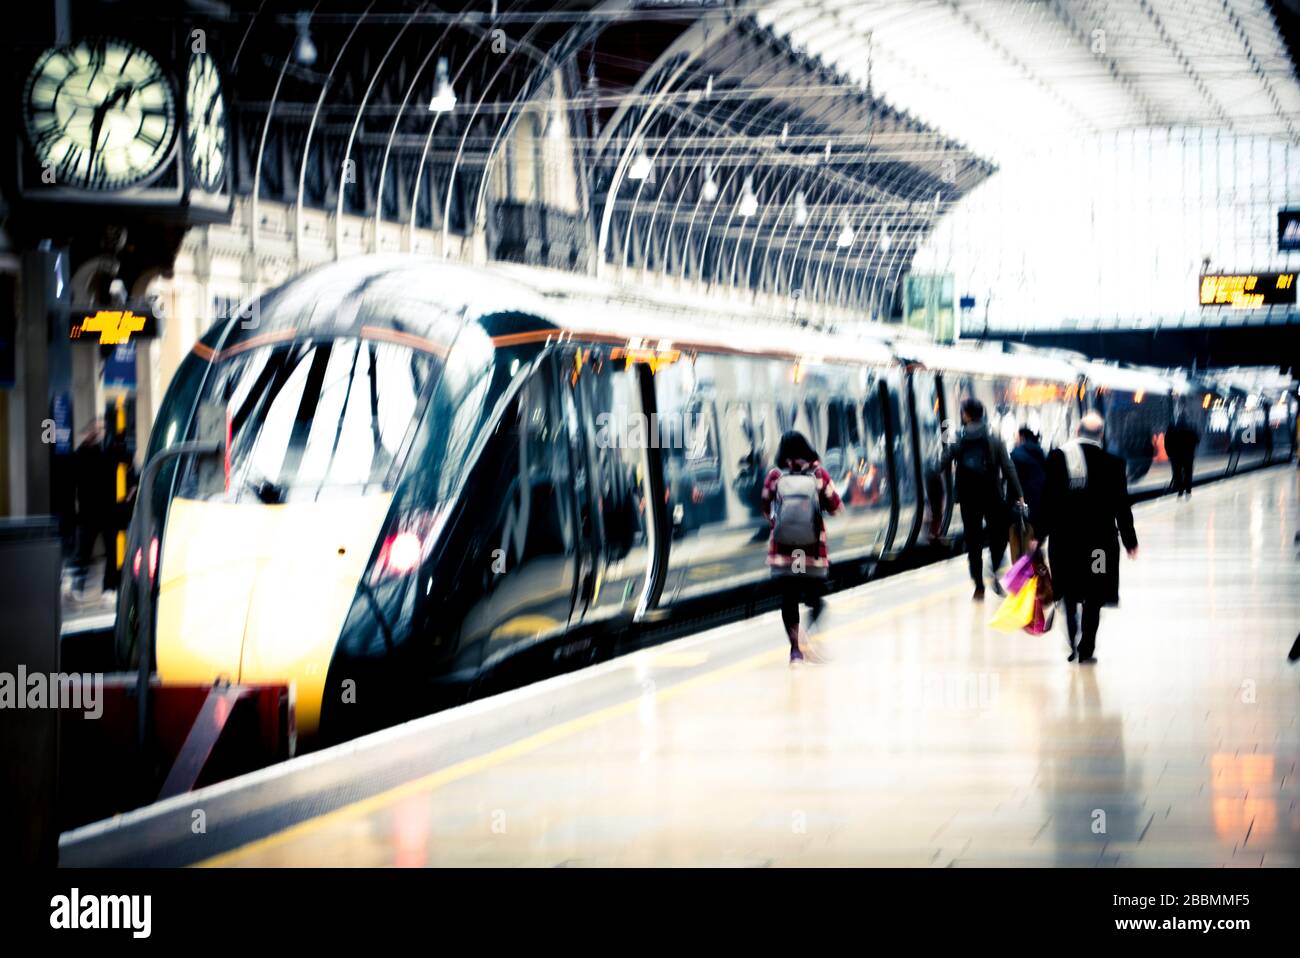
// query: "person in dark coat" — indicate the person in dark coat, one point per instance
point(982, 467)
point(95, 483)
point(1181, 439)
point(1085, 517)
point(1031, 468)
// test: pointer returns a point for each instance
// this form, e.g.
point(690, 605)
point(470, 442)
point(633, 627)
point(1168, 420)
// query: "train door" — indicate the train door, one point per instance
point(586, 533)
point(686, 427)
point(956, 388)
point(902, 465)
point(524, 496)
point(945, 413)
point(927, 403)
point(618, 525)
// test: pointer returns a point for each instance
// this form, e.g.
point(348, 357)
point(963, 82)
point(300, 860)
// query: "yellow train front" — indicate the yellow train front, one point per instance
point(351, 552)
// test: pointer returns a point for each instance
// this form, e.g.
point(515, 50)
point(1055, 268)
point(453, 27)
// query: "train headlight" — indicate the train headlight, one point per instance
point(408, 542)
point(402, 553)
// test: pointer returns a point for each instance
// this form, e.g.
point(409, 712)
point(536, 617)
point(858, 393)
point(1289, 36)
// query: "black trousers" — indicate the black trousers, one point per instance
point(1086, 644)
point(1182, 469)
point(88, 533)
point(976, 515)
point(796, 589)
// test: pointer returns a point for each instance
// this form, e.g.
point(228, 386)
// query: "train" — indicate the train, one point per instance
point(434, 469)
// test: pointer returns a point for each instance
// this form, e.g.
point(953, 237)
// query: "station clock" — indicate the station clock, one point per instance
point(205, 123)
point(100, 115)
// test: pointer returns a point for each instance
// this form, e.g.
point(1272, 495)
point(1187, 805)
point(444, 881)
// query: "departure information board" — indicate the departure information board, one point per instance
point(1248, 290)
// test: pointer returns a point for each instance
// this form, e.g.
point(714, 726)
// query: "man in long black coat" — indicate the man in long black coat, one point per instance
point(1085, 516)
point(1181, 439)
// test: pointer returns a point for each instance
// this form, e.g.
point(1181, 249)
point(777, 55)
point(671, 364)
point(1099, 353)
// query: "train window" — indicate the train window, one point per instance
point(309, 417)
point(546, 465)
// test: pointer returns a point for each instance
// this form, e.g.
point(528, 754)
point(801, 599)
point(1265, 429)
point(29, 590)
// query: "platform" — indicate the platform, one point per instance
point(928, 739)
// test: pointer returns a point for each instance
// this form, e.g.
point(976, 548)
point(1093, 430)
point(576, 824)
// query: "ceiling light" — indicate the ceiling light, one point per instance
point(800, 209)
point(709, 191)
point(641, 166)
point(444, 97)
point(748, 201)
point(846, 237)
point(305, 51)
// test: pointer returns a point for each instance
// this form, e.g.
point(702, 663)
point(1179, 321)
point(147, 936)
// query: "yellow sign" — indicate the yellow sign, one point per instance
point(654, 358)
point(1248, 290)
point(1027, 393)
point(114, 326)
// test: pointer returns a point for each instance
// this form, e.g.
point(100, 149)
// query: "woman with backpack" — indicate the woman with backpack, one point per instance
point(796, 495)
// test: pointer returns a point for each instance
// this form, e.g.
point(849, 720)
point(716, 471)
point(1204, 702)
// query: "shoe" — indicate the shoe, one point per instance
point(997, 587)
point(1294, 654)
point(1072, 656)
point(816, 620)
point(796, 657)
point(810, 654)
point(1090, 660)
point(979, 594)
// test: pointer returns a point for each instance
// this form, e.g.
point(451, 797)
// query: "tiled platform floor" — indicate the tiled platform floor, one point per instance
point(928, 739)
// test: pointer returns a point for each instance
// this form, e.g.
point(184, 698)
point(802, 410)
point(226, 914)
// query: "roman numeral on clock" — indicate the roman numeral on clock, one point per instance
point(47, 138)
point(98, 170)
point(71, 160)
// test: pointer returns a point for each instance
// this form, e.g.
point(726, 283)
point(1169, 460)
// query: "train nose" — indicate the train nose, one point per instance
point(258, 593)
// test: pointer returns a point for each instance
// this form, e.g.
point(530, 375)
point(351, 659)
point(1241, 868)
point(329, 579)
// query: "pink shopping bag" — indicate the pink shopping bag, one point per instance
point(1019, 573)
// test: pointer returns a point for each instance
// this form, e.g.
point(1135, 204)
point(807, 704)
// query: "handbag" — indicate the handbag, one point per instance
point(1044, 599)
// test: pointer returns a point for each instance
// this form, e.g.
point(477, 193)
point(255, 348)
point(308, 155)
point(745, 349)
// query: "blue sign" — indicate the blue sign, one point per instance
point(967, 302)
point(119, 368)
point(61, 409)
point(1288, 230)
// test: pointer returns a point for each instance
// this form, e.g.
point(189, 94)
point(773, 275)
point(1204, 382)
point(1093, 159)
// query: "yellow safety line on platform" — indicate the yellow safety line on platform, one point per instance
point(470, 766)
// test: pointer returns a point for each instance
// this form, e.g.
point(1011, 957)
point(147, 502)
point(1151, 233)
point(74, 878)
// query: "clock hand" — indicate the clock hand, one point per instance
point(123, 90)
point(97, 124)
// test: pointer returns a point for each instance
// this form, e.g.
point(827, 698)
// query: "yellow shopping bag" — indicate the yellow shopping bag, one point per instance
point(1017, 609)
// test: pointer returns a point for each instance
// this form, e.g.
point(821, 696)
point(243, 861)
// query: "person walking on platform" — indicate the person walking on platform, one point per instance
point(1085, 516)
point(797, 494)
point(1031, 468)
point(982, 467)
point(96, 504)
point(1181, 439)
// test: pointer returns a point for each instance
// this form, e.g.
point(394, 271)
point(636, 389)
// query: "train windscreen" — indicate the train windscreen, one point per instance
point(315, 418)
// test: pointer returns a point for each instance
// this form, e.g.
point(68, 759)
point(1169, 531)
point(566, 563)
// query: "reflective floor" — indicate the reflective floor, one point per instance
point(927, 738)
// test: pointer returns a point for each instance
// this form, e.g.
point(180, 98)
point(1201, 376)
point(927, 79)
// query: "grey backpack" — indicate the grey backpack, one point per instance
point(796, 510)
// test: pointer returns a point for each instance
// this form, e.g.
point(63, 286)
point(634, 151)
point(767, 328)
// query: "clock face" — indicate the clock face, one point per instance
point(100, 114)
point(205, 124)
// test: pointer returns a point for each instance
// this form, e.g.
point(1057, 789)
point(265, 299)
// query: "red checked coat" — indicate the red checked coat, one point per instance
point(780, 558)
